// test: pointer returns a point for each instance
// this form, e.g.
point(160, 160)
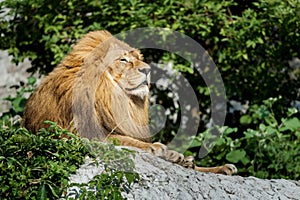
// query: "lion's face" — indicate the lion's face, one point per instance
point(131, 74)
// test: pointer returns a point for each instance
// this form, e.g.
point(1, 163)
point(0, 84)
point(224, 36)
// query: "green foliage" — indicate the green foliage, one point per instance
point(259, 43)
point(18, 101)
point(269, 151)
point(39, 166)
point(107, 185)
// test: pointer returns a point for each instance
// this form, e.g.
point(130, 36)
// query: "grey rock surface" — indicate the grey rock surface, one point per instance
point(163, 180)
point(10, 75)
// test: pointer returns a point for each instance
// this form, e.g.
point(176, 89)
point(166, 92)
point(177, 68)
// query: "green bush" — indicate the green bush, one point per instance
point(19, 99)
point(39, 166)
point(270, 151)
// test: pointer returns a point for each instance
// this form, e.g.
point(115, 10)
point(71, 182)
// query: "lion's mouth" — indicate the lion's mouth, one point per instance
point(145, 83)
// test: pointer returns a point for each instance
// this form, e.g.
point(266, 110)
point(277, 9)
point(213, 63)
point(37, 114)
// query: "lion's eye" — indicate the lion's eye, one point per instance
point(123, 60)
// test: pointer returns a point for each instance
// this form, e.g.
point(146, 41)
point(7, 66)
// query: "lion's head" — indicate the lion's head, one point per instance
point(102, 85)
point(131, 74)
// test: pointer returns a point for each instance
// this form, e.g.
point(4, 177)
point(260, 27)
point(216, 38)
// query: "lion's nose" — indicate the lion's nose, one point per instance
point(145, 70)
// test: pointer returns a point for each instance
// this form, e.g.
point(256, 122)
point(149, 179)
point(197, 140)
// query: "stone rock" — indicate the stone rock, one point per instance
point(163, 180)
point(11, 75)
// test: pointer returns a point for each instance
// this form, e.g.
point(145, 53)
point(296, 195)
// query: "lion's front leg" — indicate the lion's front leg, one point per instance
point(157, 149)
point(161, 150)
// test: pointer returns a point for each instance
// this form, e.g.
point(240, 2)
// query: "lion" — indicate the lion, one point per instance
point(101, 90)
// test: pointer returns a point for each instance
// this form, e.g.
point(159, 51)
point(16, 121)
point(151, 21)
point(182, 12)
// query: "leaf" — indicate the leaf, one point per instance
point(18, 104)
point(195, 143)
point(53, 191)
point(292, 124)
point(230, 130)
point(42, 192)
point(31, 80)
point(236, 155)
point(270, 130)
point(130, 177)
point(245, 119)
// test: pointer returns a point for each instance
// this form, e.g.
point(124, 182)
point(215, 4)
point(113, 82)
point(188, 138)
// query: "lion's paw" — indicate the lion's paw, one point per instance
point(161, 150)
point(228, 169)
point(174, 156)
point(158, 149)
point(188, 162)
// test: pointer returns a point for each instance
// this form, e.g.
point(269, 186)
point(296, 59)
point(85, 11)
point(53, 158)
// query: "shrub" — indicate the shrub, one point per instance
point(39, 166)
point(269, 151)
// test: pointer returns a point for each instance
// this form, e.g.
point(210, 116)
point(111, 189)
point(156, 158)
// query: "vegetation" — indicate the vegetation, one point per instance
point(39, 166)
point(255, 45)
point(269, 151)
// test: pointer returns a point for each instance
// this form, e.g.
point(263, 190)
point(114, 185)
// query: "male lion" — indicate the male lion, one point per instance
point(101, 88)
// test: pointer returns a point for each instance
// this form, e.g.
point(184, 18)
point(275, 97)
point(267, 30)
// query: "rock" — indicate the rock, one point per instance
point(11, 75)
point(163, 180)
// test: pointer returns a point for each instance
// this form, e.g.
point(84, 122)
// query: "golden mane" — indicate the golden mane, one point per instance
point(85, 47)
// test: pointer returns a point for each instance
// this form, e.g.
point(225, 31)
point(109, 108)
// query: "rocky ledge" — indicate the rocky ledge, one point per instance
point(163, 180)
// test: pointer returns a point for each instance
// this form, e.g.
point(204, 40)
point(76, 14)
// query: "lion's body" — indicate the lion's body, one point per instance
point(101, 89)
